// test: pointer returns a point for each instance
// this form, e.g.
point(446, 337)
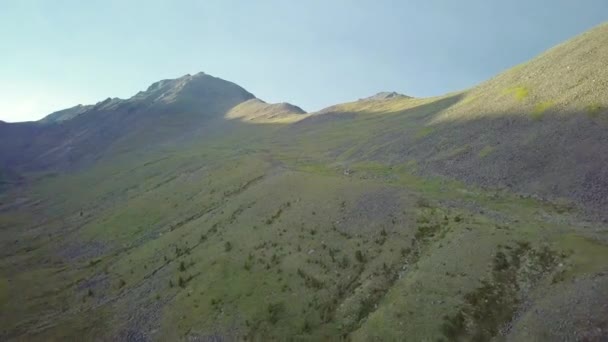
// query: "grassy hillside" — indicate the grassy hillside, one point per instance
point(539, 128)
point(463, 217)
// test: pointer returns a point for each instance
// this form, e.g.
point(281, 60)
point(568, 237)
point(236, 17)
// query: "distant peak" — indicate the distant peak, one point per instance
point(387, 95)
point(292, 108)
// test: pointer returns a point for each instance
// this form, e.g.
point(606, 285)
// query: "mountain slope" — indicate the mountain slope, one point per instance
point(539, 128)
point(258, 111)
point(194, 211)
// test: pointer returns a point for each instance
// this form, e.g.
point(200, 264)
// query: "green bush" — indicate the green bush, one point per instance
point(275, 310)
point(359, 256)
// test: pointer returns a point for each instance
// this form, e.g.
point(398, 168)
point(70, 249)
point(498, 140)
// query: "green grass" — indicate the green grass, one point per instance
point(540, 109)
point(423, 132)
point(486, 151)
point(589, 255)
point(519, 93)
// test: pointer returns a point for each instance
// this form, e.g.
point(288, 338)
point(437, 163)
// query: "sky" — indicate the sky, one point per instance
point(312, 53)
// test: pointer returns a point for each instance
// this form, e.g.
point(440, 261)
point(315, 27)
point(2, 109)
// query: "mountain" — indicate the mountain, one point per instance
point(168, 109)
point(195, 211)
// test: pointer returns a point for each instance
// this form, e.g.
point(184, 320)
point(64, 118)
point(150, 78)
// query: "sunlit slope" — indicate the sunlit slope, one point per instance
point(571, 78)
point(258, 111)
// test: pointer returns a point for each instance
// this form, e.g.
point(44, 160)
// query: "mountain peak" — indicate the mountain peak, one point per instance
point(193, 88)
point(386, 95)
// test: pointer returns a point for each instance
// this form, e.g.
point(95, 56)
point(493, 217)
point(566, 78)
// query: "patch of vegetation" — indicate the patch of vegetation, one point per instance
point(275, 311)
point(310, 281)
point(431, 223)
point(423, 203)
point(540, 109)
point(359, 256)
point(424, 132)
point(94, 262)
point(486, 151)
point(594, 110)
point(494, 303)
point(520, 93)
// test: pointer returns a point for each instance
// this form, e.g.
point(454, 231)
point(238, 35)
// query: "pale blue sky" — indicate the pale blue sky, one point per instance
point(58, 53)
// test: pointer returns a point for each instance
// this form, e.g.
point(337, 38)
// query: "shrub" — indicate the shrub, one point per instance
point(423, 203)
point(306, 328)
point(310, 281)
point(247, 266)
point(345, 262)
point(500, 262)
point(275, 310)
point(359, 256)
